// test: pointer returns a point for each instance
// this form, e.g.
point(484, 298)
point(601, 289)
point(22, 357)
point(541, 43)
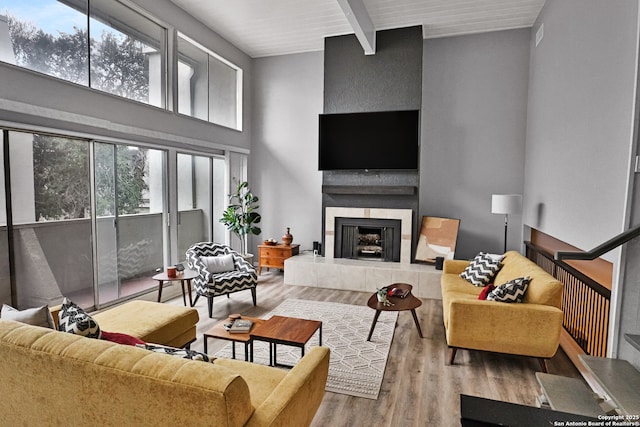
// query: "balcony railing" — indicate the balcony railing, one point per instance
point(55, 259)
point(585, 302)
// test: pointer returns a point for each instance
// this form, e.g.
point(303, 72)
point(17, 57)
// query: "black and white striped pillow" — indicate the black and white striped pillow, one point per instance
point(178, 352)
point(512, 291)
point(74, 320)
point(482, 269)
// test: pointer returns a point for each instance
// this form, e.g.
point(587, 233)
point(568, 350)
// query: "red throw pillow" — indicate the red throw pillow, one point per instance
point(119, 338)
point(485, 291)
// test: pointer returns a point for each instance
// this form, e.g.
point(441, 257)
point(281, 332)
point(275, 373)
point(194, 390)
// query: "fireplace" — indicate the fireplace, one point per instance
point(367, 239)
point(370, 222)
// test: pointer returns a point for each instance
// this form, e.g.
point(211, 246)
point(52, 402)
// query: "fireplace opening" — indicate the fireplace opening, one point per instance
point(368, 239)
point(370, 243)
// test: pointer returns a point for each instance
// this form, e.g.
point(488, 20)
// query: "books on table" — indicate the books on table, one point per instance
point(240, 326)
point(397, 292)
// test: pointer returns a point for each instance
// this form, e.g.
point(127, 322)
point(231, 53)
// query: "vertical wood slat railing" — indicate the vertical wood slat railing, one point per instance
point(585, 302)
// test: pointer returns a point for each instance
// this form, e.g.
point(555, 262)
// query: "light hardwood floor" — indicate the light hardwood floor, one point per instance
point(419, 388)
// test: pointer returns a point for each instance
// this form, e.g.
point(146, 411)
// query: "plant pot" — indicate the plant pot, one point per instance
point(248, 258)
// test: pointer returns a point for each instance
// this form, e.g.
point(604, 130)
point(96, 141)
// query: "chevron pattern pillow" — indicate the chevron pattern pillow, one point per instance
point(74, 320)
point(178, 352)
point(481, 269)
point(512, 291)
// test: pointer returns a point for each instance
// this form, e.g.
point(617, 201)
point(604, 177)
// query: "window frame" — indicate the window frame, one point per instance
point(136, 12)
point(239, 81)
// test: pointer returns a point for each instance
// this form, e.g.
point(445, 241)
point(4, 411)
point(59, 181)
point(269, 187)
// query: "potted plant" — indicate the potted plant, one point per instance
point(241, 217)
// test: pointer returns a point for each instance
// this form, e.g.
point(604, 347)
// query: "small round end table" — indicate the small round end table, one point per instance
point(409, 302)
point(182, 276)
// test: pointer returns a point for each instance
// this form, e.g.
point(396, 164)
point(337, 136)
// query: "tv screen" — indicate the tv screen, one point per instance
point(376, 140)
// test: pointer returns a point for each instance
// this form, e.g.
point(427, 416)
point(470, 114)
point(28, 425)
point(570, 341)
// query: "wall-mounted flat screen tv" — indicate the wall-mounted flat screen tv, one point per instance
point(374, 140)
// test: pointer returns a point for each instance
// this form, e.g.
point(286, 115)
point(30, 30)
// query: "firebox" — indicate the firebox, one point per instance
point(368, 239)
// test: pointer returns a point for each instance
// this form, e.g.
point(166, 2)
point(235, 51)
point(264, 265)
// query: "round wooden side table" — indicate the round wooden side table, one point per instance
point(409, 302)
point(182, 276)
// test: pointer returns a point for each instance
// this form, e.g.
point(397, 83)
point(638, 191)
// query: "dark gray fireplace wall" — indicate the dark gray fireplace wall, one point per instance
point(389, 80)
point(354, 82)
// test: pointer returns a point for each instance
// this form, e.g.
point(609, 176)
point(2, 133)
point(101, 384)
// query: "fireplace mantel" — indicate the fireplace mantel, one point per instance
point(382, 190)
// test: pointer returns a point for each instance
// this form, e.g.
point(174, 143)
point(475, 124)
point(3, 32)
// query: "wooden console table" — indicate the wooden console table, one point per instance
point(274, 255)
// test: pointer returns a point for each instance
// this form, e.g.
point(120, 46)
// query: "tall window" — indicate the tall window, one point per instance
point(47, 36)
point(127, 53)
point(201, 200)
point(209, 86)
point(56, 250)
point(130, 199)
point(126, 50)
point(50, 201)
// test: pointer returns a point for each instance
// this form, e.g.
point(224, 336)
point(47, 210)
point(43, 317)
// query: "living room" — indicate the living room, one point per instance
point(547, 111)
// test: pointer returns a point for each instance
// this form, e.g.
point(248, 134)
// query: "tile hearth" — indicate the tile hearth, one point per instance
point(358, 275)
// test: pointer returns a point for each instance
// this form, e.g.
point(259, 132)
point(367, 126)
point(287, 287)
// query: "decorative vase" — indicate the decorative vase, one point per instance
point(287, 238)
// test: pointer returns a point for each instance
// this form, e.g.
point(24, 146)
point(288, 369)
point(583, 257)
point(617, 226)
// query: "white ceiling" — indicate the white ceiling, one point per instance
point(277, 27)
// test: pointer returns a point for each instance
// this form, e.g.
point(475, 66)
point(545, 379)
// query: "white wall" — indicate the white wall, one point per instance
point(287, 98)
point(580, 118)
point(474, 99)
point(580, 142)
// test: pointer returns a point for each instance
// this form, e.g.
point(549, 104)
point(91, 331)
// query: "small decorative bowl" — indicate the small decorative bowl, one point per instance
point(270, 243)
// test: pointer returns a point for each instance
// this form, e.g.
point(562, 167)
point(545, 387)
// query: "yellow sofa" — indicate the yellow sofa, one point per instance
point(531, 328)
point(57, 379)
point(152, 322)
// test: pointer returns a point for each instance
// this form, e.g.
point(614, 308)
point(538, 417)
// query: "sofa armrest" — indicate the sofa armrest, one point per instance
point(454, 266)
point(514, 328)
point(298, 396)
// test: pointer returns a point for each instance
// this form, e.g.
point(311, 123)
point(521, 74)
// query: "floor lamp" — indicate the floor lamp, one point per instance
point(506, 204)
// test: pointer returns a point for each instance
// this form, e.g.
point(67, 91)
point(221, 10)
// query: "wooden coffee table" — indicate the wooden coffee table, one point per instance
point(285, 330)
point(399, 304)
point(218, 331)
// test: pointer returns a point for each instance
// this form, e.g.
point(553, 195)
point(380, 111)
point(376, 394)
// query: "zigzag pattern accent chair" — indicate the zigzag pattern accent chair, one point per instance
point(237, 277)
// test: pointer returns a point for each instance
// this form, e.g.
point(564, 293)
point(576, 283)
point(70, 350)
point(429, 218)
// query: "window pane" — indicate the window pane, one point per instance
point(133, 180)
point(45, 36)
point(222, 93)
point(50, 211)
point(192, 80)
point(127, 52)
point(220, 198)
point(130, 199)
point(49, 178)
point(209, 87)
point(194, 201)
point(140, 196)
point(5, 283)
point(60, 178)
point(106, 231)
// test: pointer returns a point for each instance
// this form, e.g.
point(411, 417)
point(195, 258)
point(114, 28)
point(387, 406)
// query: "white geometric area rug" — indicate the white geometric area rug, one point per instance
point(356, 365)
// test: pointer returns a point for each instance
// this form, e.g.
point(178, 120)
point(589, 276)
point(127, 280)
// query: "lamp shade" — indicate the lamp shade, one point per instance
point(506, 203)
